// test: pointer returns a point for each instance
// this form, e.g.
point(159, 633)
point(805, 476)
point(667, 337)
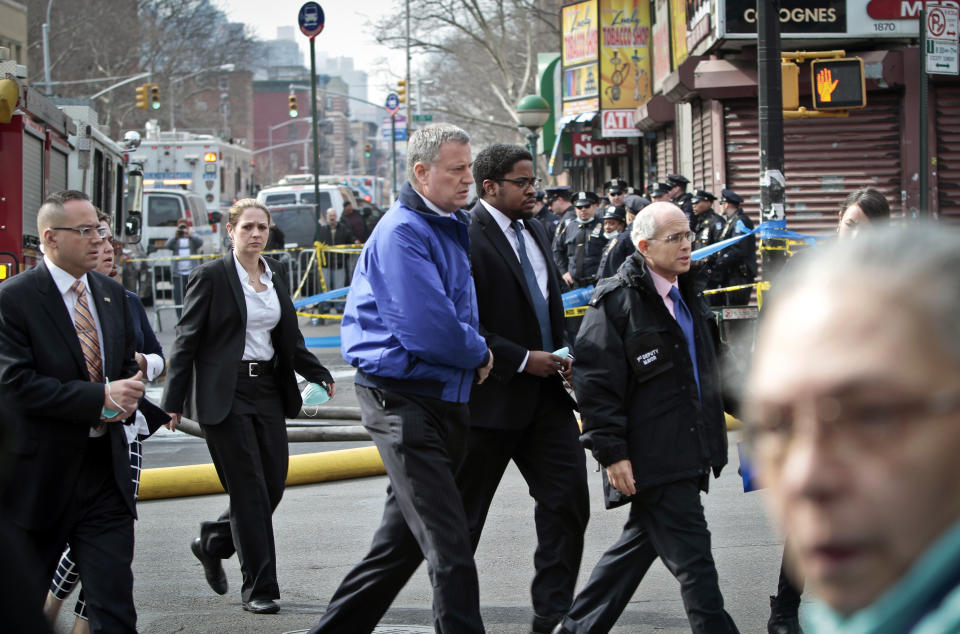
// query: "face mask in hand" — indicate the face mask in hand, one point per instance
point(314, 394)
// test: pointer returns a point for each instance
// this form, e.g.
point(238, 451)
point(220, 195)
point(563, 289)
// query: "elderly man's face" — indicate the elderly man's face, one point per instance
point(447, 182)
point(861, 474)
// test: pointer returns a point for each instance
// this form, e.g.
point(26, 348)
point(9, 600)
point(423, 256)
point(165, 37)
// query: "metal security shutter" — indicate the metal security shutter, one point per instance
point(32, 182)
point(948, 151)
point(665, 158)
point(702, 146)
point(824, 159)
point(58, 170)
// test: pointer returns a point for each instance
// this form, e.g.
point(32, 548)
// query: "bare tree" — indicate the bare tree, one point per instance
point(481, 54)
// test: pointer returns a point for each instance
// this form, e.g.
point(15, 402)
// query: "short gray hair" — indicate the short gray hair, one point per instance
point(425, 142)
point(915, 265)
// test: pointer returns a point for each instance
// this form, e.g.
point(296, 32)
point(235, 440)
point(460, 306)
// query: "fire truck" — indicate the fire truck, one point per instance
point(219, 171)
point(44, 149)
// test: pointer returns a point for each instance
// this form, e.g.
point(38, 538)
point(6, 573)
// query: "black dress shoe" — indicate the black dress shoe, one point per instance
point(212, 567)
point(261, 606)
point(544, 624)
point(784, 617)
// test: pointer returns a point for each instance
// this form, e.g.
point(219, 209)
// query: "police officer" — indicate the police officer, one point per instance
point(707, 225)
point(678, 194)
point(736, 264)
point(558, 200)
point(658, 192)
point(542, 211)
point(614, 224)
point(616, 189)
point(579, 246)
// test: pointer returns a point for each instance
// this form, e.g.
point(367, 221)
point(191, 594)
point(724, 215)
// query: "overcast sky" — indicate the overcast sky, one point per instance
point(346, 33)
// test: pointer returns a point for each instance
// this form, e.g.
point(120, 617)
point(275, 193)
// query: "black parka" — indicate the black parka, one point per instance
point(635, 385)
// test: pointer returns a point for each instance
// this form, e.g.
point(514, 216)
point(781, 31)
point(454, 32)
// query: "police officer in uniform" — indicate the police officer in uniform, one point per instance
point(736, 264)
point(579, 245)
point(546, 217)
point(678, 194)
point(707, 225)
point(558, 200)
point(616, 189)
point(614, 224)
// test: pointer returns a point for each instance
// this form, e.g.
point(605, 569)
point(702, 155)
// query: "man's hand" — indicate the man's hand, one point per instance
point(142, 362)
point(568, 278)
point(123, 394)
point(541, 363)
point(566, 369)
point(484, 372)
point(621, 477)
point(174, 420)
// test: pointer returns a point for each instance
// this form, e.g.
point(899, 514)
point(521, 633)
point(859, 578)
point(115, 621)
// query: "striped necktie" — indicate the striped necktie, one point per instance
point(87, 333)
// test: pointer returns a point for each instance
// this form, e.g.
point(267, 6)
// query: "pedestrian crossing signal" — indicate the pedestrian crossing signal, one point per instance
point(838, 84)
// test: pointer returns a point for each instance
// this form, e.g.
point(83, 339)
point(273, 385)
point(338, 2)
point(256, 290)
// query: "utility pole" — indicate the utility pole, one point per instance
point(409, 118)
point(924, 91)
point(770, 107)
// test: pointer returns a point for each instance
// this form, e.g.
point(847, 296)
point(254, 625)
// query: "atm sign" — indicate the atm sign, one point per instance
point(838, 84)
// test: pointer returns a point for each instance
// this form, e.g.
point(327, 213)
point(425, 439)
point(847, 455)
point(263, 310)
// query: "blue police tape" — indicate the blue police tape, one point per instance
point(577, 297)
point(322, 297)
point(769, 230)
point(322, 342)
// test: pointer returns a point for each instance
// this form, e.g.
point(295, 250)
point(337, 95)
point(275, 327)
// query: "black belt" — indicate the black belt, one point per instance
point(256, 368)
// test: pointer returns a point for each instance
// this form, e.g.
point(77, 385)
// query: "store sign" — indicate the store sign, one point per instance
point(580, 68)
point(624, 53)
point(618, 123)
point(585, 146)
point(661, 46)
point(678, 31)
point(900, 9)
point(796, 16)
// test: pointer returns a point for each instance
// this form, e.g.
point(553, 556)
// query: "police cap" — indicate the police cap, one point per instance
point(635, 203)
point(658, 189)
point(700, 195)
point(541, 194)
point(677, 180)
point(730, 196)
point(616, 212)
point(615, 186)
point(559, 191)
point(585, 199)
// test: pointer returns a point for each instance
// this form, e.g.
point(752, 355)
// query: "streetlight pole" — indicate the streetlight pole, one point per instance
point(532, 112)
point(46, 51)
point(227, 68)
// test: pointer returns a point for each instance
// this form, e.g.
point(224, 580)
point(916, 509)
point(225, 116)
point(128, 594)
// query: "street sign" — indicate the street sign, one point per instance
point(393, 103)
point(423, 117)
point(401, 128)
point(942, 44)
point(838, 83)
point(310, 19)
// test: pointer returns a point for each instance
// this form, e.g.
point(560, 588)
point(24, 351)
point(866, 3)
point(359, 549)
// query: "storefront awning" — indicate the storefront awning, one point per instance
point(566, 120)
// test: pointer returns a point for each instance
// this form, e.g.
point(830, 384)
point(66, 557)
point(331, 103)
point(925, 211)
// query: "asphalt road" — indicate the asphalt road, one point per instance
point(322, 530)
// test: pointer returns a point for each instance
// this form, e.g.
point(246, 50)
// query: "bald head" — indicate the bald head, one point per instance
point(652, 217)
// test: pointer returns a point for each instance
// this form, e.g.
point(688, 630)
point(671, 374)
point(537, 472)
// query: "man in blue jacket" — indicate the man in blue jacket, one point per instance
point(410, 327)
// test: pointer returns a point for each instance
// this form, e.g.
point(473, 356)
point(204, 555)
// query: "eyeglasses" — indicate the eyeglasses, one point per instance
point(677, 237)
point(867, 424)
point(522, 183)
point(100, 231)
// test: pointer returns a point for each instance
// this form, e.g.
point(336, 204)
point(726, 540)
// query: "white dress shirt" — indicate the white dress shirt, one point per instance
point(64, 281)
point(432, 207)
point(532, 247)
point(263, 313)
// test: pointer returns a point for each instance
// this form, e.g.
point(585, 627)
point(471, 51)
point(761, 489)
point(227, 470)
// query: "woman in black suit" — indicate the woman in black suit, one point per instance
point(232, 370)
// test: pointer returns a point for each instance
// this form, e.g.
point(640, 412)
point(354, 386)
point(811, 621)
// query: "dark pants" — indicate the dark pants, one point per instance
point(99, 528)
point(666, 522)
point(549, 455)
point(421, 441)
point(249, 451)
point(789, 589)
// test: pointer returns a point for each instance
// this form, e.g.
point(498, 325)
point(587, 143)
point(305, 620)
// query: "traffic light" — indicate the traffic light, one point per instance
point(789, 78)
point(142, 96)
point(367, 149)
point(154, 96)
point(402, 90)
point(838, 84)
point(292, 104)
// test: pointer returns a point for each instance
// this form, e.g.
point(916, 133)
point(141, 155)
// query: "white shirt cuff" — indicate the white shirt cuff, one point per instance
point(523, 364)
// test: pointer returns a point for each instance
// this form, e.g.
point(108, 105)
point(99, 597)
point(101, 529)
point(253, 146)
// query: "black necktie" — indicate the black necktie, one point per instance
point(539, 302)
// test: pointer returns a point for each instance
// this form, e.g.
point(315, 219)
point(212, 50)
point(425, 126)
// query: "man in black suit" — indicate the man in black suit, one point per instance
point(65, 331)
point(523, 412)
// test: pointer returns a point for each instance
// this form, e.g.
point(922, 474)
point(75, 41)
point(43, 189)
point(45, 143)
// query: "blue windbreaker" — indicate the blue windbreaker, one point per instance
point(410, 323)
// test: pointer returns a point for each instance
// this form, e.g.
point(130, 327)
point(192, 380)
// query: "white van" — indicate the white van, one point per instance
point(162, 208)
point(286, 195)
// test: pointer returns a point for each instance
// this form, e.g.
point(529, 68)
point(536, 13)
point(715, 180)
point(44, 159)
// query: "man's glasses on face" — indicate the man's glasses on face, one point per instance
point(522, 183)
point(674, 238)
point(100, 231)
